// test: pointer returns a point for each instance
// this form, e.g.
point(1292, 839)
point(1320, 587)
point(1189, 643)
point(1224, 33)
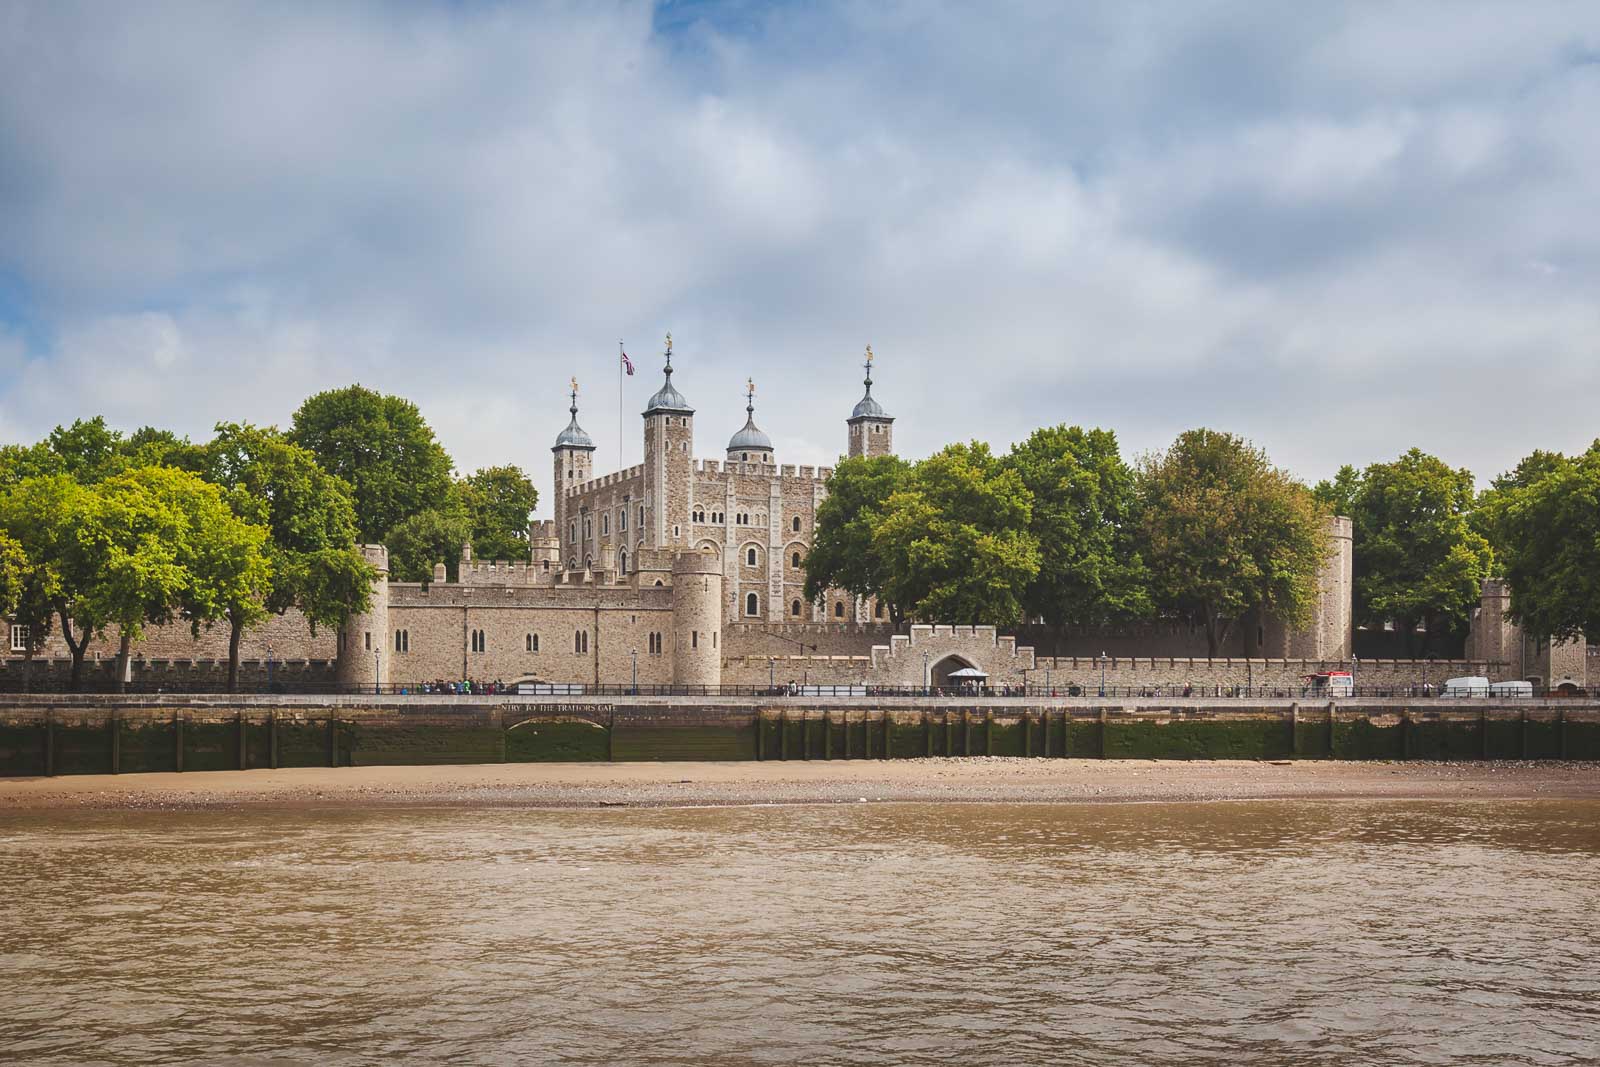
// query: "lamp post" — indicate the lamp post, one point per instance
point(1102, 672)
point(772, 673)
point(634, 652)
point(1047, 688)
point(377, 656)
point(269, 666)
point(926, 681)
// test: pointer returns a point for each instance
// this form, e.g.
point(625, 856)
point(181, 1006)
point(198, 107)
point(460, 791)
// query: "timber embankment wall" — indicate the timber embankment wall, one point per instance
point(43, 735)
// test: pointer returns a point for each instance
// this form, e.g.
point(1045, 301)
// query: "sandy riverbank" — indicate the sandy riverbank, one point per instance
point(659, 784)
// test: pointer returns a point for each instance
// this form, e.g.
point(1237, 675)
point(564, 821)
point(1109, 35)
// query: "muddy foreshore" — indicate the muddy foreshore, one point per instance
point(969, 780)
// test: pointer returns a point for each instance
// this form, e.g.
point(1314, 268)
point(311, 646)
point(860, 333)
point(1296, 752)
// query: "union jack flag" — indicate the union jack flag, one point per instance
point(627, 364)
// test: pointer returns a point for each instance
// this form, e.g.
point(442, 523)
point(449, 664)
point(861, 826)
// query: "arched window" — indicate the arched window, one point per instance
point(478, 643)
point(622, 561)
point(795, 559)
point(744, 457)
point(877, 610)
point(750, 557)
point(797, 524)
point(752, 604)
point(605, 524)
point(699, 514)
point(580, 642)
point(622, 519)
point(794, 608)
point(533, 642)
point(369, 640)
point(838, 609)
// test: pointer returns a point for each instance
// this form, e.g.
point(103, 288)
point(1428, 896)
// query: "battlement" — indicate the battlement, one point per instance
point(502, 572)
point(616, 478)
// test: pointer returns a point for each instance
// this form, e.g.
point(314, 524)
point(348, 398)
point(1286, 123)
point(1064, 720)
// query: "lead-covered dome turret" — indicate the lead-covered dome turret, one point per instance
point(574, 436)
point(667, 399)
point(751, 443)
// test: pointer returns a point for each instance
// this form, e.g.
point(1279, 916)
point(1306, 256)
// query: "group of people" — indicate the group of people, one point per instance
point(467, 688)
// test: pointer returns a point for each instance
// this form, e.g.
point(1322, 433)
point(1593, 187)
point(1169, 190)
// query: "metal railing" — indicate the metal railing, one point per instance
point(1209, 691)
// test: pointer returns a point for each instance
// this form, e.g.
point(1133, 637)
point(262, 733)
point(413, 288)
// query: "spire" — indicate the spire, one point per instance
point(574, 436)
point(668, 399)
point(866, 407)
point(750, 438)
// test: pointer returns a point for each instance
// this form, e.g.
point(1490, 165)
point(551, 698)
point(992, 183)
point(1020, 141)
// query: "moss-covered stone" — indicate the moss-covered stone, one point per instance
point(573, 741)
point(1198, 739)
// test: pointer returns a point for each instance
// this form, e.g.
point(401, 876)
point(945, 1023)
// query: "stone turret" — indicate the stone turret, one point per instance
point(668, 461)
point(574, 457)
point(364, 652)
point(871, 427)
point(696, 619)
point(750, 444)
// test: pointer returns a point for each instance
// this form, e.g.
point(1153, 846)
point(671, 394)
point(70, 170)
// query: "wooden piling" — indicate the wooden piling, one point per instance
point(1027, 735)
point(783, 734)
point(966, 732)
point(927, 734)
point(761, 741)
point(1333, 718)
point(1294, 731)
point(1405, 733)
point(333, 742)
point(240, 726)
point(846, 735)
point(827, 735)
point(115, 722)
point(1105, 722)
point(49, 743)
point(272, 739)
point(888, 724)
point(1483, 733)
point(1522, 735)
point(1561, 733)
point(177, 741)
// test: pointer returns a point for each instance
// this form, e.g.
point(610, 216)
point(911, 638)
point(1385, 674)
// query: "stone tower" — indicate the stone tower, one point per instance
point(364, 651)
point(696, 618)
point(871, 428)
point(668, 459)
point(1327, 635)
point(574, 457)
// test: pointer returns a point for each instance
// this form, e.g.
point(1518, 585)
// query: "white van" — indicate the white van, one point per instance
point(1470, 686)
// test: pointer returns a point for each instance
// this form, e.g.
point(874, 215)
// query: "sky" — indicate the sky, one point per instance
point(1339, 230)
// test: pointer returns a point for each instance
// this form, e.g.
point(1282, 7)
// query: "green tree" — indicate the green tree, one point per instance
point(1547, 518)
point(1419, 560)
point(499, 502)
point(955, 540)
point(1487, 509)
point(13, 573)
point(45, 514)
point(428, 537)
point(1084, 511)
point(310, 516)
point(844, 550)
point(382, 447)
point(89, 451)
point(171, 547)
point(1225, 533)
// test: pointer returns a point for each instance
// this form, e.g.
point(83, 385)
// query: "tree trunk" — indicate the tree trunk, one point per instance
point(124, 650)
point(1212, 640)
point(77, 648)
point(235, 632)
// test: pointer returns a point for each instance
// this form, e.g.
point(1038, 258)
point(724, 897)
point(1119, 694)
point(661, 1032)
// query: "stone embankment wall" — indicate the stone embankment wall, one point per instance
point(172, 675)
point(99, 735)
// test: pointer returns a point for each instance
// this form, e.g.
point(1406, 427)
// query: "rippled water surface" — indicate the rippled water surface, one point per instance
point(1353, 933)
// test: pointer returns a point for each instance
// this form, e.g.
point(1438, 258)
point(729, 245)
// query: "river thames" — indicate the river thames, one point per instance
point(1266, 932)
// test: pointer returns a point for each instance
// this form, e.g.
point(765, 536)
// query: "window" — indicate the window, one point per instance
point(744, 457)
point(580, 642)
point(694, 639)
point(796, 523)
point(588, 529)
point(478, 642)
point(19, 638)
point(699, 514)
point(641, 514)
point(877, 610)
point(402, 641)
point(546, 564)
point(684, 447)
point(676, 533)
point(605, 524)
point(622, 519)
point(572, 533)
point(838, 609)
point(794, 608)
point(750, 557)
point(795, 559)
point(713, 639)
point(752, 604)
point(655, 643)
point(532, 642)
point(742, 518)
point(369, 640)
point(623, 561)
point(718, 517)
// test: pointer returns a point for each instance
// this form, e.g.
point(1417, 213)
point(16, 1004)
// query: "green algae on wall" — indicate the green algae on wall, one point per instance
point(564, 741)
point(1198, 739)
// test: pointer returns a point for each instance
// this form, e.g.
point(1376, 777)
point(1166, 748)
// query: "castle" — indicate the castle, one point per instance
point(683, 571)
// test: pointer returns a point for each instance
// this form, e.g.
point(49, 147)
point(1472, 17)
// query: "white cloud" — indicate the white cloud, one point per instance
point(1342, 232)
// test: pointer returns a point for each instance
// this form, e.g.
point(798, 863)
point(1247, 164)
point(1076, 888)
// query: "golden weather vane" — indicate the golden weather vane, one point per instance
point(749, 387)
point(669, 341)
point(869, 353)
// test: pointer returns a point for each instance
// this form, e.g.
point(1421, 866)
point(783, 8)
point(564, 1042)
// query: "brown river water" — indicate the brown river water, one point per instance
point(1261, 932)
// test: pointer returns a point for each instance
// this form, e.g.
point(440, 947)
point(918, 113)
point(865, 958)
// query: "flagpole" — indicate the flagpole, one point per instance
point(622, 461)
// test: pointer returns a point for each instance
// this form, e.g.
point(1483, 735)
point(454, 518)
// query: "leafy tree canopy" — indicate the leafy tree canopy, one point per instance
point(844, 551)
point(499, 503)
point(1547, 518)
point(428, 537)
point(1419, 561)
point(382, 447)
point(1084, 509)
point(955, 542)
point(1226, 533)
